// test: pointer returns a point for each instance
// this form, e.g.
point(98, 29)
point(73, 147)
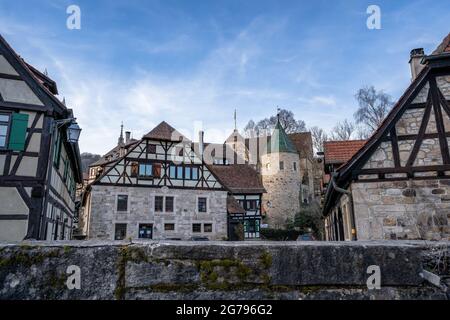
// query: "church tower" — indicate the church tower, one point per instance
point(281, 179)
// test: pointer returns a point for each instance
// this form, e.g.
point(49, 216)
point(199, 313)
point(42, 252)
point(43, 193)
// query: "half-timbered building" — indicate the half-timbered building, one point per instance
point(397, 186)
point(39, 155)
point(162, 187)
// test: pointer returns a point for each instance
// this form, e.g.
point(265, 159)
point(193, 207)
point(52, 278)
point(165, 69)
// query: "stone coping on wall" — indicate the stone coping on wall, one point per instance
point(220, 270)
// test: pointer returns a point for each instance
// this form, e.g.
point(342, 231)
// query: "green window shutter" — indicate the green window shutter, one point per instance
point(19, 124)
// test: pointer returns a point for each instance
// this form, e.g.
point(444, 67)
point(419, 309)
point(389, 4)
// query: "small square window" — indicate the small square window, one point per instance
point(169, 204)
point(120, 231)
point(151, 148)
point(207, 227)
point(145, 231)
point(122, 202)
point(159, 203)
point(196, 227)
point(169, 227)
point(202, 205)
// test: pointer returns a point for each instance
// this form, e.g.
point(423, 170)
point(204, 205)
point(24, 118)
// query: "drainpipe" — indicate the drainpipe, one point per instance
point(349, 194)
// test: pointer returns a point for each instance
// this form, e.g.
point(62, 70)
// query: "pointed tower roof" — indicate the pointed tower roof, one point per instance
point(280, 141)
point(121, 141)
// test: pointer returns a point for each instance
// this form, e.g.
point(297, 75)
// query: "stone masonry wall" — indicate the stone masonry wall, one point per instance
point(282, 186)
point(415, 209)
point(141, 210)
point(221, 270)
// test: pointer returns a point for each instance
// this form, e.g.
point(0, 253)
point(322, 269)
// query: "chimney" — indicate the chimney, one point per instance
point(127, 136)
point(201, 134)
point(415, 62)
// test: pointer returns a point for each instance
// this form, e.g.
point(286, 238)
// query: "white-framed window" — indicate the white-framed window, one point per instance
point(5, 119)
point(122, 203)
point(164, 204)
point(202, 204)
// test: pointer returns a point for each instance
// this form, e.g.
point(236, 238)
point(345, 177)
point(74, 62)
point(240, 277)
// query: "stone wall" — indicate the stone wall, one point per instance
point(219, 270)
point(103, 213)
point(414, 209)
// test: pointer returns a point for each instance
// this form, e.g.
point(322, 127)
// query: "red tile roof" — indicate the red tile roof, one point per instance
point(444, 47)
point(239, 178)
point(341, 151)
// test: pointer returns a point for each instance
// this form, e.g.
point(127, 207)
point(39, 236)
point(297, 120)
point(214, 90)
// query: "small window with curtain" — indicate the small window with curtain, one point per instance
point(159, 202)
point(169, 204)
point(151, 148)
point(4, 129)
point(202, 205)
point(122, 202)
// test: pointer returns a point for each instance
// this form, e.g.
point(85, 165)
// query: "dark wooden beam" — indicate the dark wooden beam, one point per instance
point(423, 128)
point(394, 143)
point(439, 121)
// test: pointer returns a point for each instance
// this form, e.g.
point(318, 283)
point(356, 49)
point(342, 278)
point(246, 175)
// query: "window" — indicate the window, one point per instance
point(173, 172)
point(145, 231)
point(207, 227)
point(195, 173)
point(295, 166)
point(251, 205)
point(120, 232)
point(196, 227)
point(181, 152)
point(169, 204)
point(191, 173)
point(151, 148)
point(4, 128)
point(281, 165)
point(179, 172)
point(187, 173)
point(202, 207)
point(159, 203)
point(145, 170)
point(169, 227)
point(122, 202)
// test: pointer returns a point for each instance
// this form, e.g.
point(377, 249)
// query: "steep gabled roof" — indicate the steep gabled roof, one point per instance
point(239, 178)
point(341, 151)
point(164, 131)
point(344, 174)
point(31, 78)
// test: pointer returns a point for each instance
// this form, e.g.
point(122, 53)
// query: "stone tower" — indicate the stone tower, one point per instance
point(281, 179)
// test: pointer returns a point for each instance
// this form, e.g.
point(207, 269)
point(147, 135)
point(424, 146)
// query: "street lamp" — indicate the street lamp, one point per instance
point(73, 132)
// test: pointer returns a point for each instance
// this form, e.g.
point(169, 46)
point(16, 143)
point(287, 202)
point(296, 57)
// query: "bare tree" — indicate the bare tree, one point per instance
point(287, 120)
point(318, 137)
point(249, 129)
point(373, 107)
point(343, 130)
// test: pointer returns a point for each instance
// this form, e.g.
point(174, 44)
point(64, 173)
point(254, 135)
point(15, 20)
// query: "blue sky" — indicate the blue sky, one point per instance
point(192, 62)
